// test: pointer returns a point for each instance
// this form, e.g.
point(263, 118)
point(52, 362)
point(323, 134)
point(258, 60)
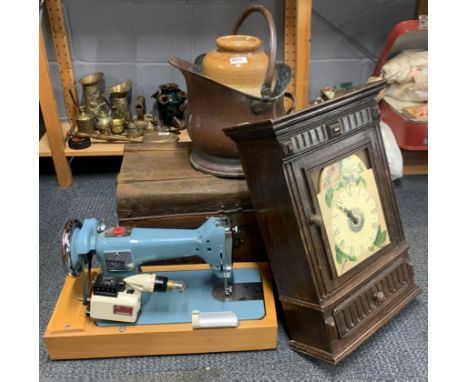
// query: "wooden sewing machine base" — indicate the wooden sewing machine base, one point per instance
point(71, 334)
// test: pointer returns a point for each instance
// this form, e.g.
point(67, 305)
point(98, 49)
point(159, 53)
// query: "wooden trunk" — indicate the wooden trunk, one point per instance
point(157, 187)
point(328, 314)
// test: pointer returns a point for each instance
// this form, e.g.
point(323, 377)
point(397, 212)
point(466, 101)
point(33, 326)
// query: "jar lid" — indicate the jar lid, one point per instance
point(238, 43)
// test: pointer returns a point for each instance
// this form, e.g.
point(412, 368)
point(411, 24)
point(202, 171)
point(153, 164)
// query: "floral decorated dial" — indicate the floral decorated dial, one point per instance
point(352, 212)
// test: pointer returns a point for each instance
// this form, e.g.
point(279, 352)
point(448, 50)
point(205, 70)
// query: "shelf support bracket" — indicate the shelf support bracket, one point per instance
point(297, 38)
point(63, 55)
point(51, 117)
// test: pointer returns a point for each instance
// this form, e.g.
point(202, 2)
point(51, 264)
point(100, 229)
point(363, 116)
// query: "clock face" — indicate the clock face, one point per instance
point(351, 211)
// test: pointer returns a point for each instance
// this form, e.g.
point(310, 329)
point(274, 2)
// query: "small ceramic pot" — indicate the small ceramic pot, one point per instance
point(169, 102)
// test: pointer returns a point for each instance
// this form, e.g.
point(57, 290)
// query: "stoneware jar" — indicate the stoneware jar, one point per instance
point(238, 63)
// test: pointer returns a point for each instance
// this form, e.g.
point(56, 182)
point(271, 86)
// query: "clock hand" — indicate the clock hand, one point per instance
point(349, 213)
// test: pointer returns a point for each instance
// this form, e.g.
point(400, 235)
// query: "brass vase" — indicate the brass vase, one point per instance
point(120, 98)
point(92, 96)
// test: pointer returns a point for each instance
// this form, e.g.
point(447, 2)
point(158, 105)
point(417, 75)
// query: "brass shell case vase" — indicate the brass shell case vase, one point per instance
point(92, 96)
point(120, 99)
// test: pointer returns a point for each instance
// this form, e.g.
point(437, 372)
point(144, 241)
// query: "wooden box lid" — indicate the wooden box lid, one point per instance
point(158, 180)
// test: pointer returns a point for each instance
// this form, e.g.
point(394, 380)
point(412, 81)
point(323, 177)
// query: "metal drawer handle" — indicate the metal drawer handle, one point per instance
point(315, 220)
point(334, 129)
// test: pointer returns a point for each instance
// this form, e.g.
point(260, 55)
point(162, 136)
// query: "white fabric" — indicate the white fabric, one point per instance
point(394, 156)
point(407, 76)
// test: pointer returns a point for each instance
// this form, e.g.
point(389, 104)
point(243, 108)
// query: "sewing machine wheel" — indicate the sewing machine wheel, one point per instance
point(67, 261)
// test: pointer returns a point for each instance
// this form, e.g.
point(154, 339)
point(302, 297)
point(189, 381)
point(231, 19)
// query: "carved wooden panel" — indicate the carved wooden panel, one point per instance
point(354, 311)
point(328, 130)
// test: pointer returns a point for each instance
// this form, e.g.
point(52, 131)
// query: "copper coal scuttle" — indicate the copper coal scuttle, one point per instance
point(233, 85)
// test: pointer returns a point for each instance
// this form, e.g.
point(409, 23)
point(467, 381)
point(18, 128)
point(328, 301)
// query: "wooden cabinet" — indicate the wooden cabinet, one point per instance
point(320, 184)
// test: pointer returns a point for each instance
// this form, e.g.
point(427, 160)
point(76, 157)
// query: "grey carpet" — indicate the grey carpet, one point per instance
point(397, 352)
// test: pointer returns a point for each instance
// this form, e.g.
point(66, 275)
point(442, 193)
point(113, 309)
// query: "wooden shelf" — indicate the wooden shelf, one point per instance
point(415, 162)
point(298, 15)
point(97, 148)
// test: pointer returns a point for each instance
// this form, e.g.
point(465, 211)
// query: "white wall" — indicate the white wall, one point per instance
point(134, 38)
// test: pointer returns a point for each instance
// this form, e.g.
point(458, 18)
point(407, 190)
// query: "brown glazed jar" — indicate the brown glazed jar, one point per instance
point(238, 63)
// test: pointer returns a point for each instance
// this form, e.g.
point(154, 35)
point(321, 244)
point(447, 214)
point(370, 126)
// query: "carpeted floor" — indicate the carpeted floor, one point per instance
point(397, 352)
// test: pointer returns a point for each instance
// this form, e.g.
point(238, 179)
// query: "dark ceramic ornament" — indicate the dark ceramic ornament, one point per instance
point(170, 102)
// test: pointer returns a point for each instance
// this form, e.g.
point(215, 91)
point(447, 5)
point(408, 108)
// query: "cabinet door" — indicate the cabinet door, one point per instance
point(343, 207)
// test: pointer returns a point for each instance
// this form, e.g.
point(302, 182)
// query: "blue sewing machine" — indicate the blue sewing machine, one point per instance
point(121, 292)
